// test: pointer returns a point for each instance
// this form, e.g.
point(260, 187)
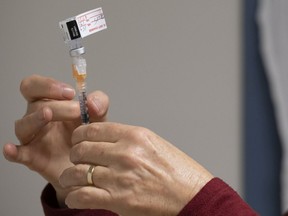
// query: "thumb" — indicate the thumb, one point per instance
point(16, 154)
point(98, 105)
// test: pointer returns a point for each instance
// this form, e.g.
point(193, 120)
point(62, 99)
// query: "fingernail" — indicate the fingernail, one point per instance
point(68, 92)
point(96, 104)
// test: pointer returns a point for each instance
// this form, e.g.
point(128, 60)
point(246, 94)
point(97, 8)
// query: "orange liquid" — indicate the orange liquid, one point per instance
point(76, 75)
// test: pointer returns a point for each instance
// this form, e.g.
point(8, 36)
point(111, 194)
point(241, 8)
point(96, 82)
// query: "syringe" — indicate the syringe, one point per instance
point(79, 74)
point(74, 29)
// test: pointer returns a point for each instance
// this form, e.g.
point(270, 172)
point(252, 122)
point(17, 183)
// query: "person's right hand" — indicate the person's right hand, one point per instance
point(45, 130)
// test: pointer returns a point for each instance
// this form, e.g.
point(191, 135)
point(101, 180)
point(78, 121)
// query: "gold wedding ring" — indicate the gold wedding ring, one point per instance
point(90, 175)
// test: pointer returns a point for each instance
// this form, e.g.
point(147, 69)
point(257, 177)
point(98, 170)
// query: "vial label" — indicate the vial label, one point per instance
point(83, 24)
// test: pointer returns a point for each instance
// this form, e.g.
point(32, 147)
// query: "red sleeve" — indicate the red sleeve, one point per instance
point(217, 198)
point(51, 207)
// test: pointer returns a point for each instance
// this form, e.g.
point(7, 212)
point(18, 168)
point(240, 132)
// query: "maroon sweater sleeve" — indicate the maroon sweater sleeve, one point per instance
point(216, 198)
point(51, 207)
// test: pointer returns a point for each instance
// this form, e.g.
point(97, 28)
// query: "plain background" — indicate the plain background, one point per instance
point(171, 66)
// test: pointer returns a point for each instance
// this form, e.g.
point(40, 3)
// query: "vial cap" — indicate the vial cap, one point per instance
point(77, 52)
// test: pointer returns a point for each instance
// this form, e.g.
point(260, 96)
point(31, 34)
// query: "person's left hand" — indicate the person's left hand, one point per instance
point(44, 132)
point(136, 172)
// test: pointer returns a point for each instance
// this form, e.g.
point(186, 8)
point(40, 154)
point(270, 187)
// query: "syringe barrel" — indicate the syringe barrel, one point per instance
point(83, 107)
point(79, 73)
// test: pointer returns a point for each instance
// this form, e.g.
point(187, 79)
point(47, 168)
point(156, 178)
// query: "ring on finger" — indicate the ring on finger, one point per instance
point(90, 175)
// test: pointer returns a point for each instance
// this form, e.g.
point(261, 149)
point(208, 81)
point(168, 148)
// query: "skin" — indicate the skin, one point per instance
point(137, 172)
point(45, 130)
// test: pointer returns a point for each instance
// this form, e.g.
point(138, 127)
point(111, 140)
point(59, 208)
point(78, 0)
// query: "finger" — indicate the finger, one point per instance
point(89, 198)
point(98, 104)
point(74, 176)
point(77, 176)
point(99, 153)
point(62, 110)
point(17, 154)
point(28, 126)
point(38, 87)
point(10, 152)
point(102, 132)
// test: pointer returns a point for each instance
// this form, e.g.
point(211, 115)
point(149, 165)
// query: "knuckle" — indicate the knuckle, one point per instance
point(92, 131)
point(78, 172)
point(77, 153)
point(26, 82)
point(51, 88)
point(138, 133)
point(74, 109)
point(129, 157)
point(24, 85)
point(139, 137)
point(140, 146)
point(84, 193)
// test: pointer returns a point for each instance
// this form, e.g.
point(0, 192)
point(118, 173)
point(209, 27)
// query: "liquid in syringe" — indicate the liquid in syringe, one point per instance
point(79, 74)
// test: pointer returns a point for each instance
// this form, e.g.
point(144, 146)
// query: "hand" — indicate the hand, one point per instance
point(45, 130)
point(136, 172)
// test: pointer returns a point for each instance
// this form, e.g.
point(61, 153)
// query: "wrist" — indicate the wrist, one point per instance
point(196, 180)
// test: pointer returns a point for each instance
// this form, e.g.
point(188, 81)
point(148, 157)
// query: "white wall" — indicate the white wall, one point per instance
point(171, 66)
